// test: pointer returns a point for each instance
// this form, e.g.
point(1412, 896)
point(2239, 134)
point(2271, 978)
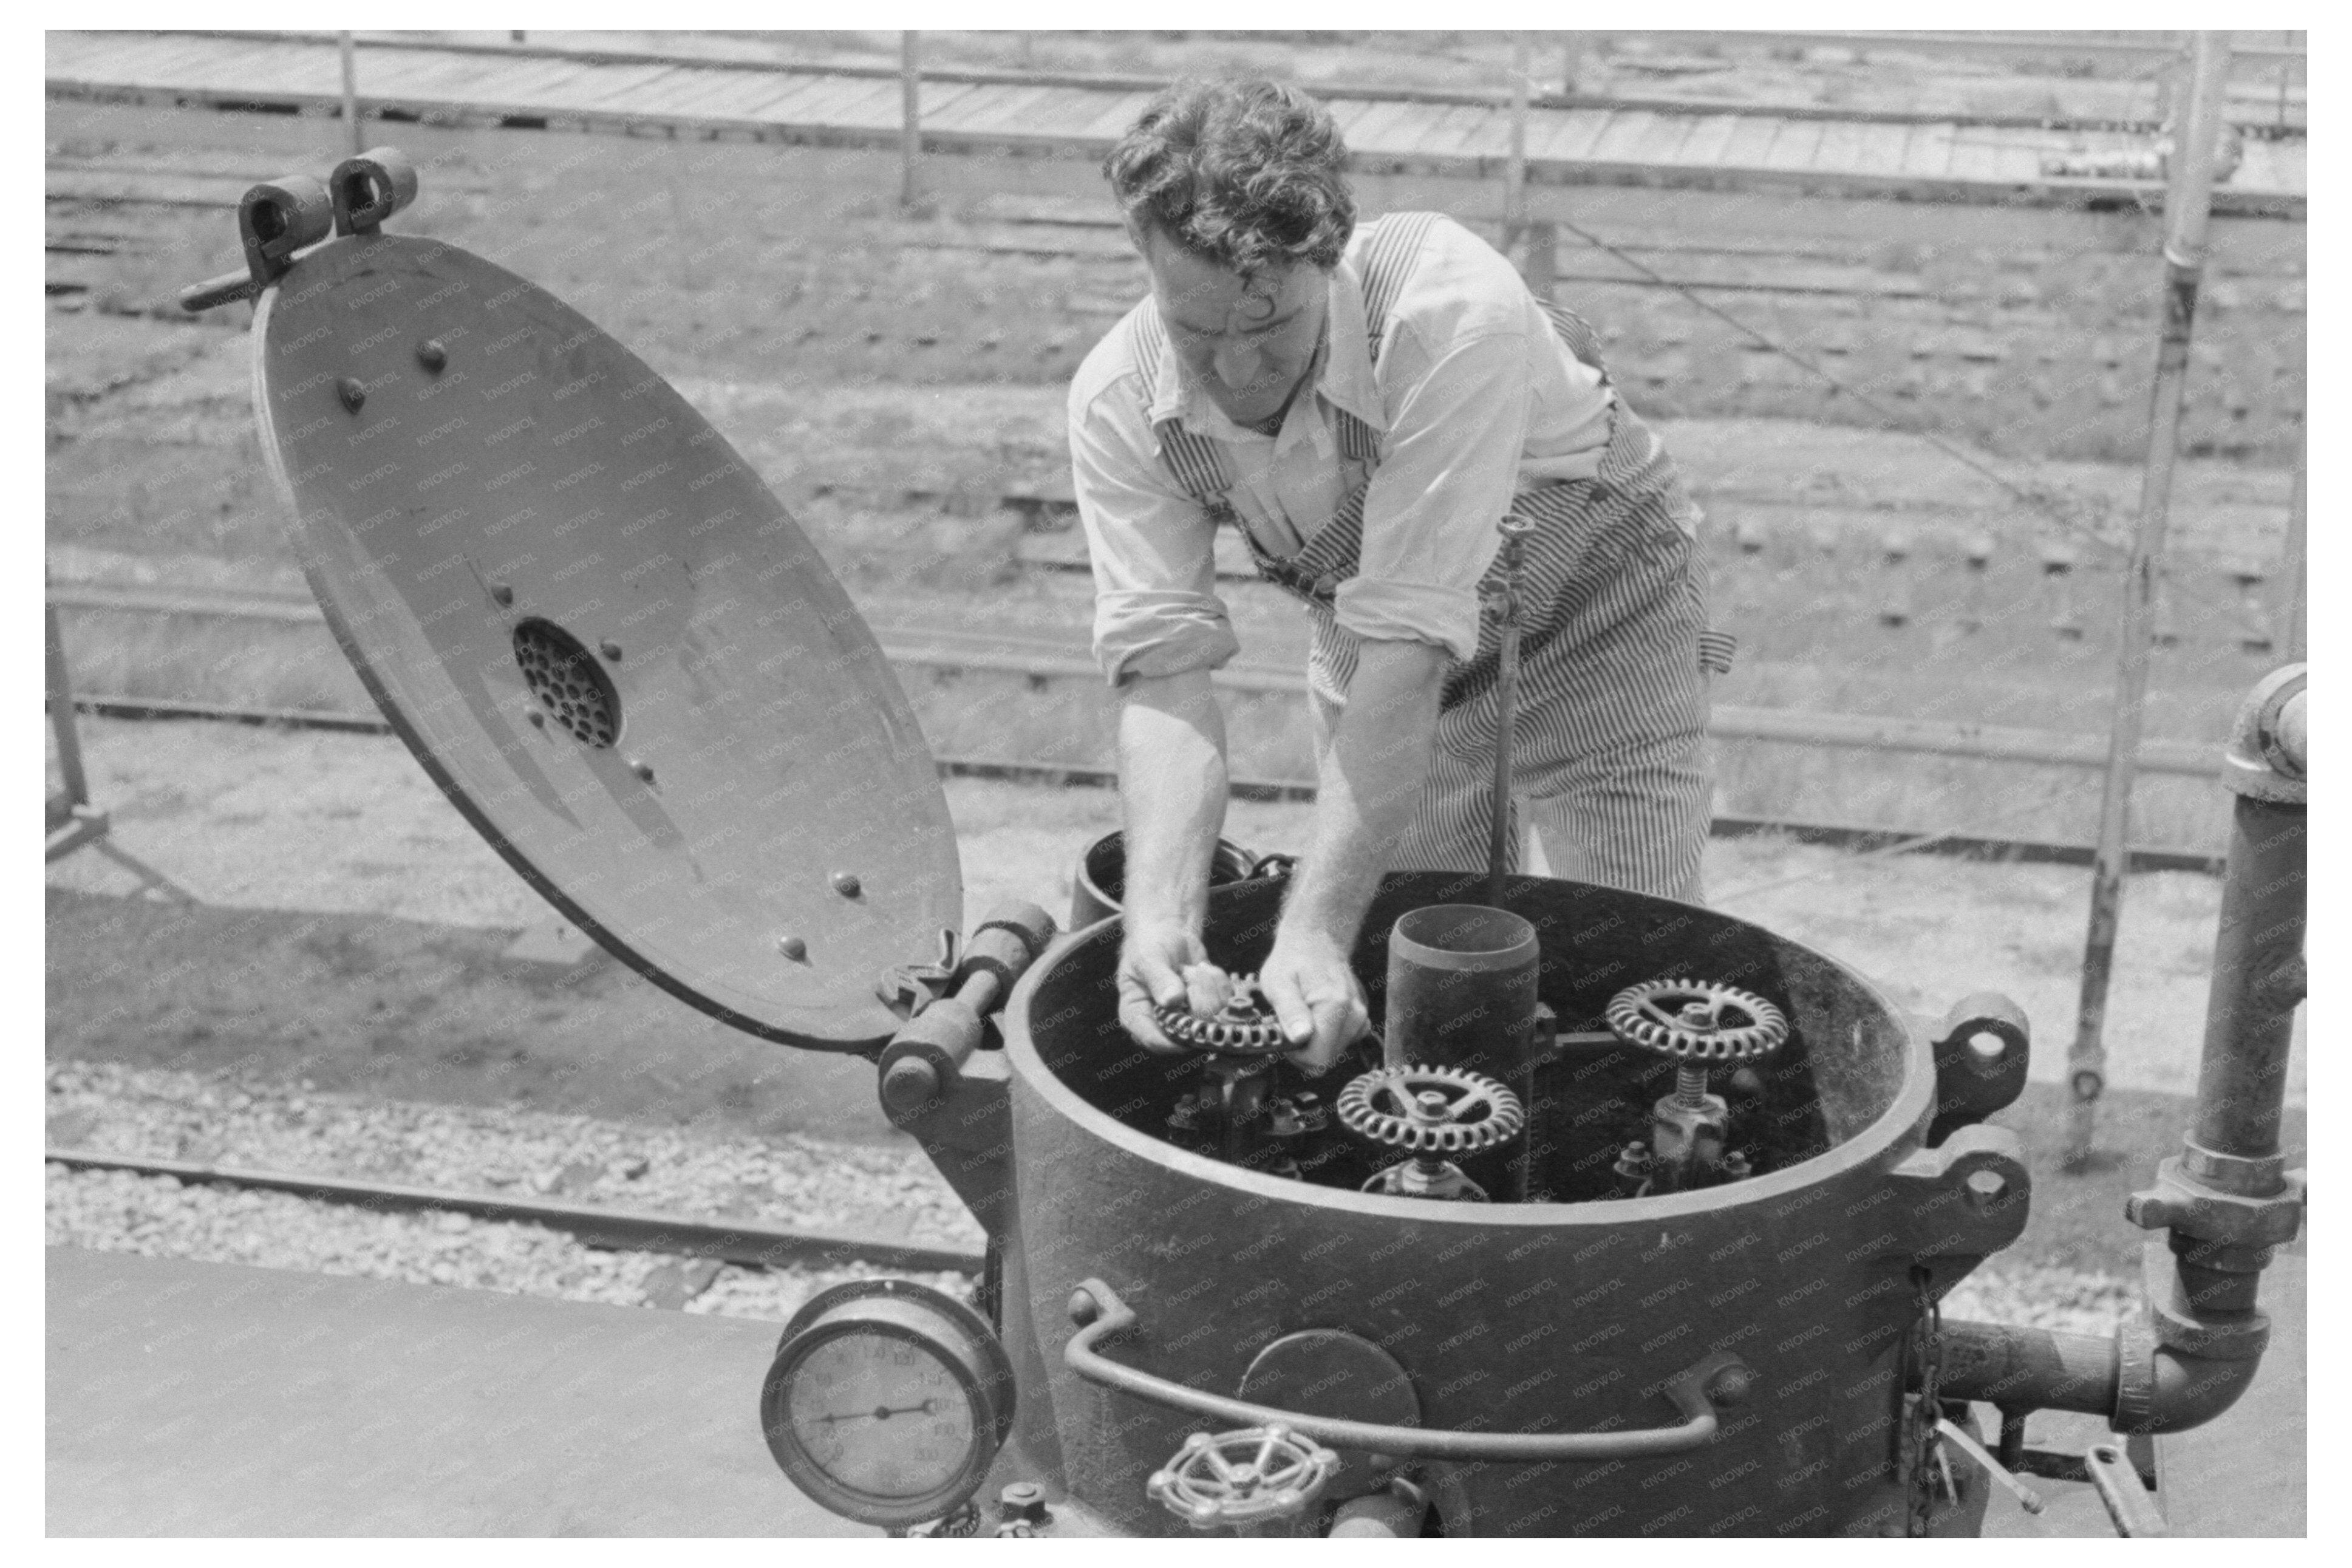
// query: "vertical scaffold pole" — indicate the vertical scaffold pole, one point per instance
point(911, 128)
point(350, 50)
point(2187, 202)
point(1515, 168)
point(2297, 563)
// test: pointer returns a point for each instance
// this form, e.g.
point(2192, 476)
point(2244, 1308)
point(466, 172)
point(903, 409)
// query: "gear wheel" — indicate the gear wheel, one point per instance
point(1685, 1019)
point(1245, 1026)
point(1429, 1111)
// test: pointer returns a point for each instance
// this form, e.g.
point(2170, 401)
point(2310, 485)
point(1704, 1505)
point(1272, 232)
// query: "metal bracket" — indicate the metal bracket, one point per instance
point(275, 219)
point(369, 188)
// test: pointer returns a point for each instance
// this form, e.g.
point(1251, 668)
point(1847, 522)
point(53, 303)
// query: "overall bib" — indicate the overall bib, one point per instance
point(1609, 744)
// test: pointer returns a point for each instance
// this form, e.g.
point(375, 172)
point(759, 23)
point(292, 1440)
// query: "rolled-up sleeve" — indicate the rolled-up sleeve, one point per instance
point(1449, 467)
point(1151, 546)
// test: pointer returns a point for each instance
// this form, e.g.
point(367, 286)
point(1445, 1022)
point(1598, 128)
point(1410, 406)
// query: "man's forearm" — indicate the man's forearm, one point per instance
point(1171, 784)
point(1371, 779)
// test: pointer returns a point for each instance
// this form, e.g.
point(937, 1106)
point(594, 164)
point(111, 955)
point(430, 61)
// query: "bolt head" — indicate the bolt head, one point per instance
point(538, 718)
point(501, 595)
point(792, 947)
point(611, 650)
point(845, 883)
point(354, 393)
point(642, 770)
point(1732, 1386)
point(431, 354)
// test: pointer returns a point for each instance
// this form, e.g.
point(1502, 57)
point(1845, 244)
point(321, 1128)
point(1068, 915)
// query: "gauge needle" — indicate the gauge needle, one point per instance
point(882, 1413)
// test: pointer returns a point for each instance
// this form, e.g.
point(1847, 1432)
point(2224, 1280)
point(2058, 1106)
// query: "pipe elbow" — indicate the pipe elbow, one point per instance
point(2166, 1390)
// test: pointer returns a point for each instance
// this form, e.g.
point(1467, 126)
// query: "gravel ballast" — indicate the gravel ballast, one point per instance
point(793, 1182)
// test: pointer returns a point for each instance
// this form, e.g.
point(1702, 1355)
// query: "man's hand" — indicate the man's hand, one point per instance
point(1314, 998)
point(1151, 964)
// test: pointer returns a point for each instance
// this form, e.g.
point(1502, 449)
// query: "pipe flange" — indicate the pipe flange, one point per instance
point(1685, 1019)
point(1244, 1027)
point(1429, 1111)
point(2266, 756)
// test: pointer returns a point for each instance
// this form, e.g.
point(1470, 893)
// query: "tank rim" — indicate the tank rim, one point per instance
point(1908, 1111)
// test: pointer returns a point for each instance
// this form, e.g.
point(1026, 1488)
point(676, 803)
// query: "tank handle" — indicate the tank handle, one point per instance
point(1721, 1379)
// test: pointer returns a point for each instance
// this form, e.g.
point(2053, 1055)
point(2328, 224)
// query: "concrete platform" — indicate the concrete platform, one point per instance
point(212, 1399)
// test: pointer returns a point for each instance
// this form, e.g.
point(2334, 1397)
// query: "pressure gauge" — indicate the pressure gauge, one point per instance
point(887, 1400)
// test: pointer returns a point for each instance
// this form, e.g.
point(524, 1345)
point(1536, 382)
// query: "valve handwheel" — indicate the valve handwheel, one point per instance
point(1697, 1022)
point(1244, 1027)
point(1429, 1111)
point(1245, 1476)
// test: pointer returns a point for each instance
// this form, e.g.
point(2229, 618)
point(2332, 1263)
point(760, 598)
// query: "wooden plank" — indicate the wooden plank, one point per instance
point(1059, 117)
point(1751, 142)
point(1839, 151)
point(599, 84)
point(735, 95)
point(403, 73)
point(166, 59)
point(1118, 113)
point(536, 90)
point(1709, 138)
point(1792, 150)
point(797, 92)
point(652, 96)
point(1571, 138)
point(1348, 112)
point(1627, 127)
point(1928, 155)
point(1452, 128)
point(1881, 151)
point(1005, 107)
point(518, 82)
point(1663, 144)
point(874, 105)
point(1388, 128)
point(823, 98)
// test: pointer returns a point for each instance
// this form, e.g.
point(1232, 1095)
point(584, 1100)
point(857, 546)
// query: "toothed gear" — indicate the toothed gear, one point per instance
point(1658, 1014)
point(1429, 1111)
point(1244, 1027)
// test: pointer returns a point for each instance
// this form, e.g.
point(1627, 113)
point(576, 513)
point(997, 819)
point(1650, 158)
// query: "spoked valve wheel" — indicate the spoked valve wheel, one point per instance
point(1697, 1022)
point(1244, 1027)
point(1429, 1111)
point(1246, 1477)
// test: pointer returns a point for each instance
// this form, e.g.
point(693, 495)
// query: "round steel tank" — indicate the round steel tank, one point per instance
point(1573, 1314)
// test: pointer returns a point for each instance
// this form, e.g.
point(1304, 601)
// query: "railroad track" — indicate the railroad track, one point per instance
point(766, 1245)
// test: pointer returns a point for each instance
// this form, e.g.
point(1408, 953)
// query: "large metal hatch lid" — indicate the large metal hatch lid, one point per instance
point(603, 637)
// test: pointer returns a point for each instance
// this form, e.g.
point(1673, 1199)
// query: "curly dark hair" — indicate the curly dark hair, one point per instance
point(1246, 174)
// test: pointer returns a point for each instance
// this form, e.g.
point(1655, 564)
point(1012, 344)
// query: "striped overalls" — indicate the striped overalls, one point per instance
point(1610, 731)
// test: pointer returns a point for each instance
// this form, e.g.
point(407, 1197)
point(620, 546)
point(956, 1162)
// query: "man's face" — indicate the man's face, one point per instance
point(1247, 343)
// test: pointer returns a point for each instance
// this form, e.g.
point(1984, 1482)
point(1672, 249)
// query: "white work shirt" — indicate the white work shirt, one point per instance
point(1475, 398)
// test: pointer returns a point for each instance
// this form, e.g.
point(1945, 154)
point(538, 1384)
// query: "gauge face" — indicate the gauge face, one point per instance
point(881, 1415)
point(887, 1400)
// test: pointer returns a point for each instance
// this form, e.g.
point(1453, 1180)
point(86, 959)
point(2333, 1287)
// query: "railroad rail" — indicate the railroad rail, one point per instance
point(598, 1226)
point(1567, 142)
